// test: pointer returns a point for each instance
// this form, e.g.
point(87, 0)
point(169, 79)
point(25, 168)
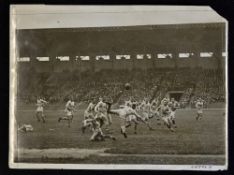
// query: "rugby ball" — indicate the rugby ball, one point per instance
point(127, 86)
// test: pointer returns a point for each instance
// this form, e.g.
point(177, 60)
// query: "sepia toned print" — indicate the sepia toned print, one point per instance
point(124, 87)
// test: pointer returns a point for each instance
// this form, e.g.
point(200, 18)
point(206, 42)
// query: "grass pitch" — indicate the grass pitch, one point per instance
point(193, 140)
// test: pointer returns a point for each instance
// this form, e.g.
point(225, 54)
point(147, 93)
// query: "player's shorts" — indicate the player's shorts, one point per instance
point(200, 111)
point(166, 119)
point(88, 115)
point(69, 113)
point(100, 115)
point(130, 118)
point(28, 128)
point(87, 122)
point(145, 116)
point(172, 115)
point(39, 109)
point(102, 118)
point(154, 114)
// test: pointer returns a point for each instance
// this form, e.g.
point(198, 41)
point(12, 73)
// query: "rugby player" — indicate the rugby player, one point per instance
point(166, 114)
point(69, 110)
point(199, 106)
point(154, 111)
point(40, 110)
point(25, 128)
point(101, 113)
point(123, 113)
point(98, 134)
point(173, 105)
point(88, 116)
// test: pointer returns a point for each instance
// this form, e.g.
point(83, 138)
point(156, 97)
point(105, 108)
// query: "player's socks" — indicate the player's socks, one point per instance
point(38, 119)
point(174, 123)
point(125, 135)
point(135, 129)
point(159, 123)
point(43, 119)
point(83, 129)
point(128, 125)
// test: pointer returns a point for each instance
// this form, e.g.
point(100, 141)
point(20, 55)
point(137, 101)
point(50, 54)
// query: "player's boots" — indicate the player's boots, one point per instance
point(43, 119)
point(113, 138)
point(173, 122)
point(197, 118)
point(38, 118)
point(124, 133)
point(151, 129)
point(172, 130)
point(83, 129)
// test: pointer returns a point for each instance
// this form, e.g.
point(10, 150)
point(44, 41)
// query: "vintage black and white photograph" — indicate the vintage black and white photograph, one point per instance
point(118, 87)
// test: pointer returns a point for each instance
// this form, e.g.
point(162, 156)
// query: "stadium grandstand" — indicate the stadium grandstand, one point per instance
point(184, 58)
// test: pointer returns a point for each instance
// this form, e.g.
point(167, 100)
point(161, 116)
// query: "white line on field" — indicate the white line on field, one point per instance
point(167, 155)
point(80, 153)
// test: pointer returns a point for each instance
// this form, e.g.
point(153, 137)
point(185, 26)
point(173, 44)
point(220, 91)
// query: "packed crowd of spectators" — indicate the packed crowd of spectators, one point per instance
point(85, 86)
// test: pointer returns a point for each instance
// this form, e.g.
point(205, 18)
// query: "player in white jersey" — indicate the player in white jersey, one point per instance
point(89, 112)
point(154, 111)
point(144, 111)
point(69, 112)
point(173, 105)
point(25, 128)
point(88, 116)
point(165, 114)
point(147, 109)
point(98, 134)
point(199, 106)
point(101, 112)
point(131, 118)
point(40, 110)
point(123, 114)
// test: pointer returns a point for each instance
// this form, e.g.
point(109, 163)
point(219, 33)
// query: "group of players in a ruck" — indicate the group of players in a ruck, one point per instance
point(98, 116)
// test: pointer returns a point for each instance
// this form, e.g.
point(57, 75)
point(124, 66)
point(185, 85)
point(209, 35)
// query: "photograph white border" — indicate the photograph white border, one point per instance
point(12, 130)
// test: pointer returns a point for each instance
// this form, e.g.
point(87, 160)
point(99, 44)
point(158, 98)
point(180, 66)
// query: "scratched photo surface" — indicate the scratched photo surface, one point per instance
point(108, 87)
